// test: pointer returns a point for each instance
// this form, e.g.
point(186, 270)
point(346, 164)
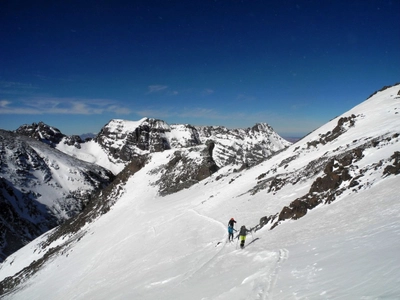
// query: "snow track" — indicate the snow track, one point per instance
point(208, 218)
point(273, 276)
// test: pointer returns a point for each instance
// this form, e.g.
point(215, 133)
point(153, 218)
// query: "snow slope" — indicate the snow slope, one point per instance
point(33, 166)
point(174, 247)
point(92, 152)
point(40, 187)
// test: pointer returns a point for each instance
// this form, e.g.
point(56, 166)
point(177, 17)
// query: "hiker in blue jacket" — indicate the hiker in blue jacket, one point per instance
point(231, 223)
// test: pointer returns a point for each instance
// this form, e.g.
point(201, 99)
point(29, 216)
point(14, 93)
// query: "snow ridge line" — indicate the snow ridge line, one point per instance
point(209, 218)
point(189, 275)
point(273, 277)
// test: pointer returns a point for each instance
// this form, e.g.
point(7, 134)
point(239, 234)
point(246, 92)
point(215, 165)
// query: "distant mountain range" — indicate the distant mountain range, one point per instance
point(86, 136)
point(48, 177)
point(321, 214)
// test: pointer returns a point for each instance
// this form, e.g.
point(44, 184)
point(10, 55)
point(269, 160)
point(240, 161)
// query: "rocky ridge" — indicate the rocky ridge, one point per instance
point(346, 156)
point(40, 188)
point(123, 140)
point(31, 166)
point(243, 147)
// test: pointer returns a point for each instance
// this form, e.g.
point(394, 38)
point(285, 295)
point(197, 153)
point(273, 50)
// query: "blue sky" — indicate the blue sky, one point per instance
point(292, 64)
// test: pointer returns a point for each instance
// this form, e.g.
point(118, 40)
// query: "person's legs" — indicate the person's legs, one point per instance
point(242, 240)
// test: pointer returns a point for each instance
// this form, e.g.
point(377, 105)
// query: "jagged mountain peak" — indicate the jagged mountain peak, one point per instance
point(41, 132)
point(48, 134)
point(40, 188)
point(262, 127)
point(126, 126)
point(242, 147)
point(331, 199)
point(123, 139)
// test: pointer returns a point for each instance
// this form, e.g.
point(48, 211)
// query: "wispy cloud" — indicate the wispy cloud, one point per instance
point(245, 98)
point(4, 103)
point(66, 106)
point(156, 88)
point(207, 92)
point(13, 84)
point(16, 88)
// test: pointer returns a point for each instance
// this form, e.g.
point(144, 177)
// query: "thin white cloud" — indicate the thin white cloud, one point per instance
point(16, 88)
point(156, 88)
point(13, 84)
point(65, 106)
point(4, 103)
point(245, 98)
point(207, 92)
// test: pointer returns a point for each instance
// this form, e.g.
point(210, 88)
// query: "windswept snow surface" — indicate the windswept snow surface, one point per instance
point(175, 247)
point(93, 153)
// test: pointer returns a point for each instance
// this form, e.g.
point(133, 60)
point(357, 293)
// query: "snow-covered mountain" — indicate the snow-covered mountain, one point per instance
point(40, 187)
point(242, 147)
point(120, 141)
point(324, 214)
point(48, 134)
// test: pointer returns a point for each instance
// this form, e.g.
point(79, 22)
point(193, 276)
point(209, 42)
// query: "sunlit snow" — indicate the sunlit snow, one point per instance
point(175, 247)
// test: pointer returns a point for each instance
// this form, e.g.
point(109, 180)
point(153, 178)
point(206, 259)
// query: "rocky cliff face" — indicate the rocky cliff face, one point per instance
point(352, 154)
point(48, 134)
point(184, 168)
point(41, 132)
point(124, 139)
point(40, 188)
point(343, 168)
point(243, 147)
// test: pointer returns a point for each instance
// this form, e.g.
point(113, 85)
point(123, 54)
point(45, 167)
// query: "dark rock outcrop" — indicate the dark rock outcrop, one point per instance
point(123, 140)
point(35, 195)
point(182, 170)
point(342, 125)
point(42, 132)
point(393, 169)
point(242, 147)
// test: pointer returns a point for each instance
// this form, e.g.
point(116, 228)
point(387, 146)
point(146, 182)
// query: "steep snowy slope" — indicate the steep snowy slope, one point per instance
point(118, 144)
point(40, 187)
point(333, 198)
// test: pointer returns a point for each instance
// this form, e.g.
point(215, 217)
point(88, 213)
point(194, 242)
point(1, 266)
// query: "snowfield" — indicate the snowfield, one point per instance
point(93, 153)
point(175, 247)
